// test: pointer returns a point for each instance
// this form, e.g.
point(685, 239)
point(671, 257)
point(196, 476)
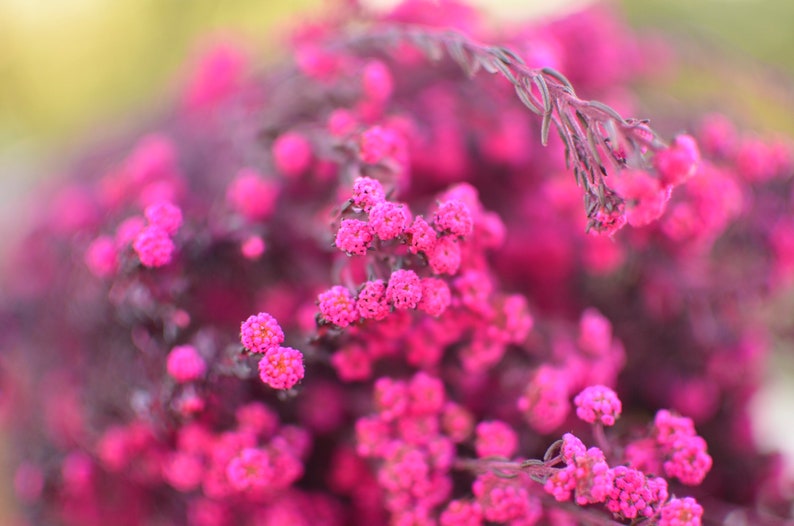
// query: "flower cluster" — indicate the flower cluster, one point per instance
point(361, 289)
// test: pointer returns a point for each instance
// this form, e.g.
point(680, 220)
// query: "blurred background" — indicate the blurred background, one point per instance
point(72, 70)
point(71, 67)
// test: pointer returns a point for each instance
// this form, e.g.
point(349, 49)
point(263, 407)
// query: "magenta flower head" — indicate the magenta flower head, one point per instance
point(453, 217)
point(681, 512)
point(281, 367)
point(185, 364)
point(354, 237)
point(338, 306)
point(598, 403)
point(165, 215)
point(404, 290)
point(154, 247)
point(367, 192)
point(261, 332)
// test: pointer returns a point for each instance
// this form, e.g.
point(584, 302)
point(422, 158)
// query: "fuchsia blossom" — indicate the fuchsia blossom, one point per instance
point(354, 237)
point(165, 215)
point(404, 290)
point(338, 306)
point(445, 256)
point(681, 512)
point(598, 403)
point(423, 237)
point(185, 363)
point(281, 367)
point(453, 217)
point(251, 195)
point(495, 439)
point(261, 332)
point(154, 247)
point(101, 256)
point(292, 154)
point(389, 220)
point(367, 192)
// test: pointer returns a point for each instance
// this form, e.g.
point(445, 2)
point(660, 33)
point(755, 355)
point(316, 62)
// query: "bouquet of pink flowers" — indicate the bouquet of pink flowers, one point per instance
point(419, 274)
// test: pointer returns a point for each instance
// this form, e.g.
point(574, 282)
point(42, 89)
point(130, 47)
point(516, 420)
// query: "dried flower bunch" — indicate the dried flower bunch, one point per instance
point(361, 288)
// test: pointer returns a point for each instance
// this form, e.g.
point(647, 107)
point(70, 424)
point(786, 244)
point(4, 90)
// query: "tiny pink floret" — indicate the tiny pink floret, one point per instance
point(338, 306)
point(598, 403)
point(404, 290)
point(154, 247)
point(367, 192)
point(292, 154)
point(165, 215)
point(281, 367)
point(389, 220)
point(185, 364)
point(354, 237)
point(251, 195)
point(101, 257)
point(261, 333)
point(453, 217)
point(495, 439)
point(253, 248)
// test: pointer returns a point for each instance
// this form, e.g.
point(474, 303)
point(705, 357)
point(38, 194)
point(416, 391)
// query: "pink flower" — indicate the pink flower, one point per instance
point(453, 217)
point(261, 332)
point(165, 215)
point(426, 394)
point(216, 77)
point(128, 230)
point(352, 363)
point(571, 448)
point(595, 332)
point(679, 162)
point(185, 364)
point(183, 471)
point(598, 403)
point(101, 257)
point(367, 192)
point(281, 367)
point(645, 198)
point(377, 81)
point(404, 290)
point(423, 236)
point(461, 513)
point(154, 247)
point(292, 154)
point(251, 468)
point(669, 427)
point(354, 237)
point(389, 220)
point(688, 460)
point(503, 500)
point(444, 257)
point(588, 476)
point(391, 398)
point(371, 302)
point(681, 512)
point(436, 296)
point(253, 248)
point(338, 306)
point(456, 421)
point(251, 195)
point(341, 123)
point(372, 436)
point(495, 439)
point(378, 143)
point(633, 495)
point(545, 401)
